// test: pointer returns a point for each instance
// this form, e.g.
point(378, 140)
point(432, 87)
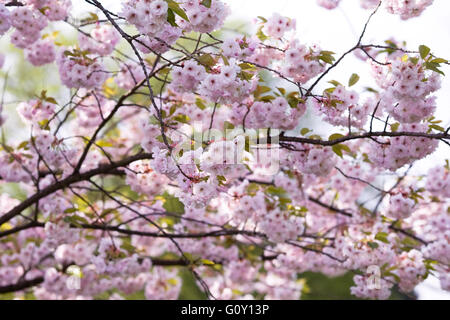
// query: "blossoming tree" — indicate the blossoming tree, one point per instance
point(185, 152)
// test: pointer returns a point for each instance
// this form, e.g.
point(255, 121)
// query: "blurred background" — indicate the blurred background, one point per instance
point(336, 30)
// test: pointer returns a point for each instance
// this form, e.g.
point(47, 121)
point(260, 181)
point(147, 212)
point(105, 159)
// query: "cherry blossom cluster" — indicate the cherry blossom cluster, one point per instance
point(28, 24)
point(35, 111)
point(394, 153)
point(408, 86)
point(400, 207)
point(187, 77)
point(5, 19)
point(226, 86)
point(204, 18)
point(92, 110)
point(310, 160)
point(41, 52)
point(31, 18)
point(342, 106)
point(278, 25)
point(438, 181)
point(148, 16)
point(362, 290)
point(406, 9)
point(276, 114)
point(102, 40)
point(78, 71)
point(129, 76)
point(143, 179)
point(217, 160)
point(161, 43)
point(328, 4)
point(302, 63)
point(239, 47)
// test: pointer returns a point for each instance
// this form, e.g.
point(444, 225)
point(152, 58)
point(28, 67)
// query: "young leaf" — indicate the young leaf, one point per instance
point(335, 136)
point(260, 34)
point(171, 18)
point(436, 127)
point(353, 80)
point(207, 60)
point(424, 51)
point(175, 7)
point(200, 104)
point(373, 245)
point(395, 126)
point(439, 60)
point(206, 3)
point(305, 131)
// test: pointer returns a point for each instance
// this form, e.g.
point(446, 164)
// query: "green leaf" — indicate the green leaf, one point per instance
point(92, 18)
point(228, 125)
point(335, 136)
point(172, 109)
point(103, 143)
point(207, 262)
point(171, 18)
point(327, 59)
point(395, 126)
point(366, 158)
point(172, 204)
point(75, 220)
point(260, 34)
point(161, 139)
point(369, 89)
point(127, 246)
point(334, 83)
point(247, 66)
point(390, 274)
point(433, 67)
point(338, 151)
point(382, 236)
point(44, 9)
point(339, 148)
point(51, 100)
point(276, 191)
point(221, 178)
point(439, 60)
point(206, 3)
point(175, 7)
point(326, 56)
point(225, 60)
point(23, 145)
point(260, 90)
point(294, 101)
point(424, 51)
point(436, 127)
point(200, 104)
point(262, 19)
point(282, 91)
point(305, 131)
point(207, 60)
point(181, 118)
point(373, 245)
point(267, 98)
point(353, 80)
point(245, 76)
point(414, 60)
